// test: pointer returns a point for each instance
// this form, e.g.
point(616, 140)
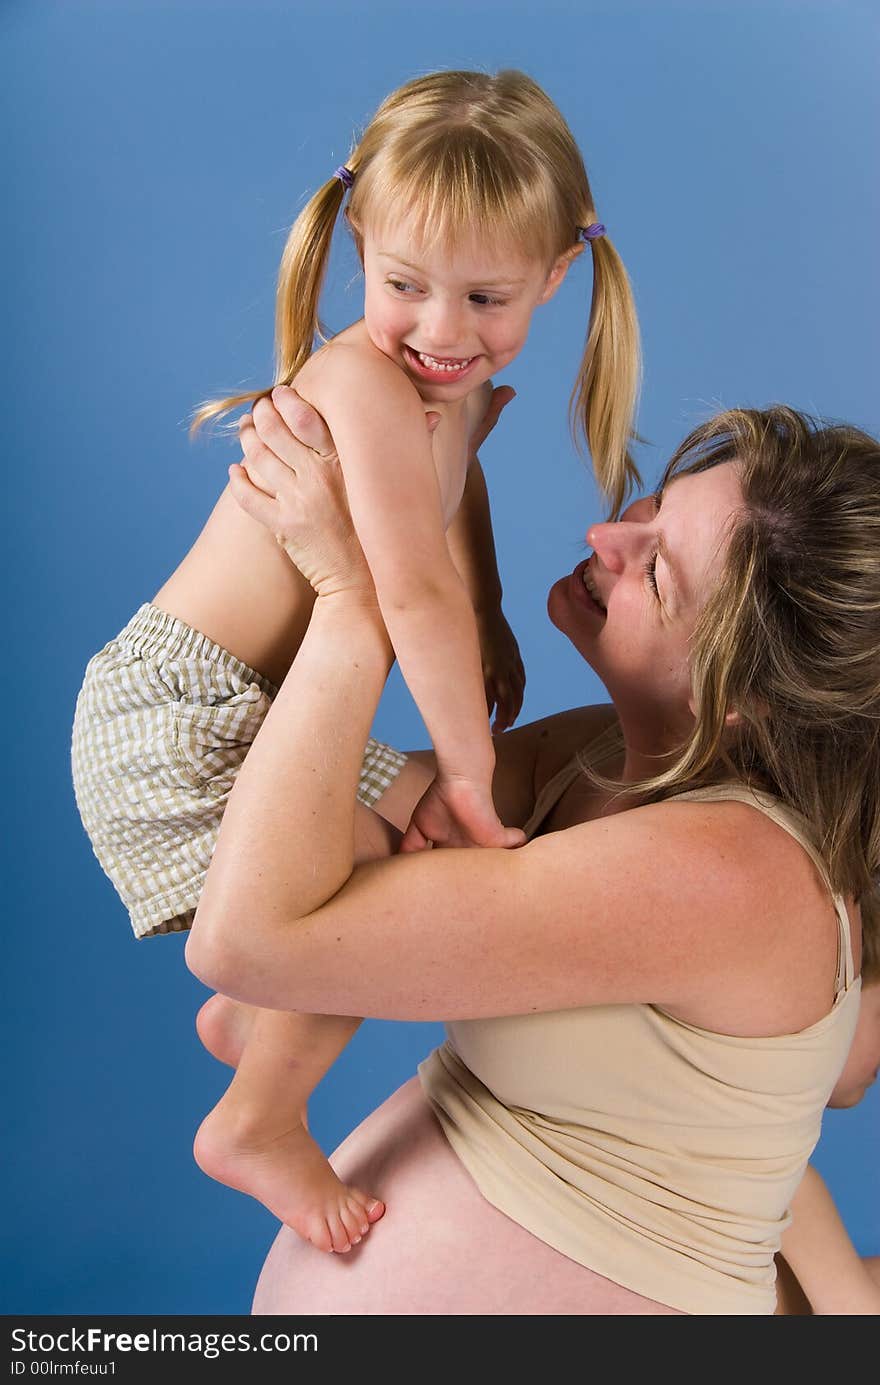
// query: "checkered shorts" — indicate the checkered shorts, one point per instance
point(163, 722)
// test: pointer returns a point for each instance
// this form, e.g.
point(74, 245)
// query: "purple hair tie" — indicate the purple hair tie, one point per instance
point(591, 232)
point(345, 175)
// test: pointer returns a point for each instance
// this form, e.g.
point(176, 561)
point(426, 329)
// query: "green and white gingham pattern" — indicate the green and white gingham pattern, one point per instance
point(163, 722)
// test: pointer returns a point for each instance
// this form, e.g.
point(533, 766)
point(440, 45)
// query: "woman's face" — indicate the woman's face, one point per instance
point(631, 608)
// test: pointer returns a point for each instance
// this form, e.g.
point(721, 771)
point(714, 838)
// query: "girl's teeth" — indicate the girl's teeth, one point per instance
point(433, 364)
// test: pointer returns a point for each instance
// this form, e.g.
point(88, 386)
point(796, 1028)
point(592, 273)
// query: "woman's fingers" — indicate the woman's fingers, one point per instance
point(501, 397)
point(282, 435)
point(264, 467)
point(252, 498)
point(305, 424)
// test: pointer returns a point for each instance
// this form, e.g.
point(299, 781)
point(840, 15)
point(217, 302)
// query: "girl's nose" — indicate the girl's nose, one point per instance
point(443, 327)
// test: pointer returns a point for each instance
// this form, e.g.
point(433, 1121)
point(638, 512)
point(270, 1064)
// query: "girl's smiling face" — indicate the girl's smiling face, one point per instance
point(451, 321)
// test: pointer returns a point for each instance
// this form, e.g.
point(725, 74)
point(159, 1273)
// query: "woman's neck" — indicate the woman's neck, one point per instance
point(647, 750)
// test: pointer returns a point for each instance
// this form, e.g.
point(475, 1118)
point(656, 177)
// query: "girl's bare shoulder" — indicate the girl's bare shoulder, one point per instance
point(345, 358)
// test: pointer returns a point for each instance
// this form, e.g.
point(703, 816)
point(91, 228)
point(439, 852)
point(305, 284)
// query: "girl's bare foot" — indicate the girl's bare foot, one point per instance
point(223, 1026)
point(288, 1172)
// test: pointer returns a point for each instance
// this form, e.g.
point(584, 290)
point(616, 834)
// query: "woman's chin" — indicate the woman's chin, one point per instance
point(560, 604)
point(555, 604)
point(564, 617)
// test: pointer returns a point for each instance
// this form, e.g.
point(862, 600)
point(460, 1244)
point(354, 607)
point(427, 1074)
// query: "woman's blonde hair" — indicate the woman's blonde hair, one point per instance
point(870, 942)
point(469, 155)
point(789, 639)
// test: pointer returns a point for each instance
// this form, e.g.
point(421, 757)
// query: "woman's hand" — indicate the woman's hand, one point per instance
point(500, 398)
point(291, 482)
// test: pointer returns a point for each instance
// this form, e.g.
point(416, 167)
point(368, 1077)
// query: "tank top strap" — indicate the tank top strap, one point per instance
point(794, 824)
point(598, 749)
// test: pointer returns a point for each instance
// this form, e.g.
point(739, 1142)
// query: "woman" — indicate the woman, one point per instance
point(649, 1003)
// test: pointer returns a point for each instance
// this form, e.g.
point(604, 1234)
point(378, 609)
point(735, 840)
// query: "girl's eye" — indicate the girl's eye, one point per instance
point(485, 300)
point(403, 286)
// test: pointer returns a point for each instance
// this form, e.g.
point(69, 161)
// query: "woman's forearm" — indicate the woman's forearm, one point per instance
point(292, 809)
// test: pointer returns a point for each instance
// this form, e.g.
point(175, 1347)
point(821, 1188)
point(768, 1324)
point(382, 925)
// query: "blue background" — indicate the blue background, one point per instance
point(154, 157)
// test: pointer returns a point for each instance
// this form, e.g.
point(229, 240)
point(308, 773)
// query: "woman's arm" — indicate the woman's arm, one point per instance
point(599, 913)
point(821, 1256)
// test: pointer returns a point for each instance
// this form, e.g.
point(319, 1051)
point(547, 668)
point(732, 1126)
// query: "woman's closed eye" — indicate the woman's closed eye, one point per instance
point(651, 573)
point(651, 564)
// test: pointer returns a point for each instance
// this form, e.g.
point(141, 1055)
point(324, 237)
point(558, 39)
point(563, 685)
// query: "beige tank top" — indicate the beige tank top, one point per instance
point(660, 1155)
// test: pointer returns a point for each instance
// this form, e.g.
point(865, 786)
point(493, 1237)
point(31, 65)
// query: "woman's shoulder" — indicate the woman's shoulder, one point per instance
point(561, 738)
point(529, 756)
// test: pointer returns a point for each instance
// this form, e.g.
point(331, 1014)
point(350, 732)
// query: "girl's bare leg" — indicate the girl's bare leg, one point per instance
point(256, 1139)
point(223, 1025)
point(237, 587)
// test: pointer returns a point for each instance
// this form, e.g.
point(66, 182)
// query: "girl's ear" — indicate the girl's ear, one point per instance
point(558, 272)
point(355, 234)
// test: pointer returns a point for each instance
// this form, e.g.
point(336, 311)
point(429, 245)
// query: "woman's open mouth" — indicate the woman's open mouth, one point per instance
point(585, 590)
point(442, 369)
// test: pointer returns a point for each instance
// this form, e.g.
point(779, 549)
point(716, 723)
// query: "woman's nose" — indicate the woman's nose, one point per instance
point(616, 543)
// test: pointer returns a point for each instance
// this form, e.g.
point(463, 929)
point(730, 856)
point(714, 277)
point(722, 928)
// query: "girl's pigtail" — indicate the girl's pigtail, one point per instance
point(603, 401)
point(300, 279)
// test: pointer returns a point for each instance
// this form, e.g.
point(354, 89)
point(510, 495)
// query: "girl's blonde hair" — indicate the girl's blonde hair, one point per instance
point(463, 155)
point(789, 640)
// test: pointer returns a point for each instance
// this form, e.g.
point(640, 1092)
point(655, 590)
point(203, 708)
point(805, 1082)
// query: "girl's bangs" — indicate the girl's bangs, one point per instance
point(452, 201)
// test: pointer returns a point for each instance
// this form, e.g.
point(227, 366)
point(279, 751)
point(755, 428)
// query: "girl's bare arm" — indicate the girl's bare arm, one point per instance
point(378, 424)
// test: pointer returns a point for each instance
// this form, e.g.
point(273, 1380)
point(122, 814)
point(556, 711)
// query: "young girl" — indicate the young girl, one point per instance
point(468, 200)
